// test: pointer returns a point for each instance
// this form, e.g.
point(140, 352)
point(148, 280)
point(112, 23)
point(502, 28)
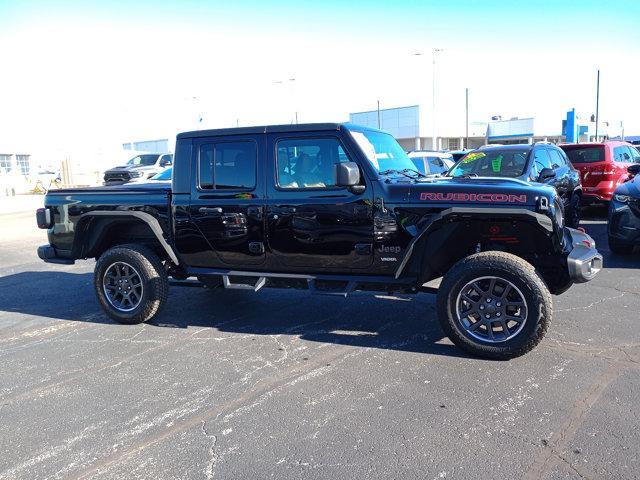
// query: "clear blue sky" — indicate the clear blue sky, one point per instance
point(80, 66)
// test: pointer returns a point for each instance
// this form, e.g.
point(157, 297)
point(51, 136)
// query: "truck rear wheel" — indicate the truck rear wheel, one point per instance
point(131, 283)
point(494, 305)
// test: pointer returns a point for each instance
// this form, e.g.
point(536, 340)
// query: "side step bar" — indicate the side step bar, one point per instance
point(226, 282)
point(317, 284)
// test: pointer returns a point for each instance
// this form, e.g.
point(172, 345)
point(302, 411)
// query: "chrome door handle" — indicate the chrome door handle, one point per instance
point(210, 210)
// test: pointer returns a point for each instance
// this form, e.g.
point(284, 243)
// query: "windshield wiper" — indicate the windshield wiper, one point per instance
point(420, 174)
point(400, 172)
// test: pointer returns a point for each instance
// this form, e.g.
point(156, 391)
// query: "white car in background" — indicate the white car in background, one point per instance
point(139, 168)
point(431, 163)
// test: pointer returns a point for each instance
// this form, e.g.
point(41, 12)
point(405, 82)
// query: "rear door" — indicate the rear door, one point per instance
point(313, 225)
point(227, 200)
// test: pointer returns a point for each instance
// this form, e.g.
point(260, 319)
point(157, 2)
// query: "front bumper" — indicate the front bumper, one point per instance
point(50, 255)
point(584, 261)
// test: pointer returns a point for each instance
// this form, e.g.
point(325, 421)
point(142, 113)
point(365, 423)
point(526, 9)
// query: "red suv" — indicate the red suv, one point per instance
point(602, 167)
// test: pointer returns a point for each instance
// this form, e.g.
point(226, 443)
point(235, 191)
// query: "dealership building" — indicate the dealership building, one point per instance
point(413, 130)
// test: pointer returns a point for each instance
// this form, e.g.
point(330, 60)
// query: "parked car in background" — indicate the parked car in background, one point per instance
point(624, 215)
point(540, 162)
point(139, 167)
point(432, 163)
point(602, 167)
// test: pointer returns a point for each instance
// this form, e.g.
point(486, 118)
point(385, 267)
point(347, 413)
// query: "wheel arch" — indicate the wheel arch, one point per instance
point(98, 231)
point(457, 232)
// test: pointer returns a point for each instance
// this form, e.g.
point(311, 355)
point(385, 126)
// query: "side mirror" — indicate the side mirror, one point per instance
point(634, 169)
point(546, 174)
point(348, 175)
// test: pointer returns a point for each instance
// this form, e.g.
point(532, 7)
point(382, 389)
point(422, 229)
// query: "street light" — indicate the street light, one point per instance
point(433, 97)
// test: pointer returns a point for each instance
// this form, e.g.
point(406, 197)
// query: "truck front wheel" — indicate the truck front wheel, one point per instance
point(494, 305)
point(131, 283)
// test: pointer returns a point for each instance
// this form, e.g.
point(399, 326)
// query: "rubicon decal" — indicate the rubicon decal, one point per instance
point(473, 197)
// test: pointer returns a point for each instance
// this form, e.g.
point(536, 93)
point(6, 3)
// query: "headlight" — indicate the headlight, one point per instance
point(135, 173)
point(621, 198)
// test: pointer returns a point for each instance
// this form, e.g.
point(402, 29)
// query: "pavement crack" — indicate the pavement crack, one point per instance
point(548, 457)
point(209, 470)
point(593, 304)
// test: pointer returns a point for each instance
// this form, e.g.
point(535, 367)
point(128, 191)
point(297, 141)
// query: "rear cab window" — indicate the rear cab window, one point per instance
point(586, 154)
point(227, 165)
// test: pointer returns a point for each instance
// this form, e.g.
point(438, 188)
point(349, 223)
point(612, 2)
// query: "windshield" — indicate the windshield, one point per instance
point(382, 151)
point(587, 154)
point(163, 175)
point(491, 163)
point(145, 160)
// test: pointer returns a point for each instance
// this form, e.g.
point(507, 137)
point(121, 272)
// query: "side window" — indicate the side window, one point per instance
point(557, 160)
point(308, 163)
point(635, 154)
point(621, 154)
point(541, 159)
point(228, 166)
point(436, 165)
point(165, 160)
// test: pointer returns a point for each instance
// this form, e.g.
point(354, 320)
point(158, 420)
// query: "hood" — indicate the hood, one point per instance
point(631, 188)
point(472, 191)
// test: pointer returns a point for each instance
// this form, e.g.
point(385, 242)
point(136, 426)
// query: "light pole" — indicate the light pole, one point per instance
point(466, 118)
point(433, 95)
point(290, 81)
point(433, 142)
point(597, 102)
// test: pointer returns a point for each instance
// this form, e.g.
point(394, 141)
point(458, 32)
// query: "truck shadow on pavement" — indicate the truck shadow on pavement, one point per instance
point(405, 323)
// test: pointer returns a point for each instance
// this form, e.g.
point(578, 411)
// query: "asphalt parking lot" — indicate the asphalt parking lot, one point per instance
point(282, 384)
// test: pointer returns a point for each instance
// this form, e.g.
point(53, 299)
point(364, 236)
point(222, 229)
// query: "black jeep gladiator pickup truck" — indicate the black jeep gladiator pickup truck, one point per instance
point(332, 208)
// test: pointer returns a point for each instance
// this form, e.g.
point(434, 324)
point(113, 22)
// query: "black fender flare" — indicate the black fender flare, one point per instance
point(471, 212)
point(147, 218)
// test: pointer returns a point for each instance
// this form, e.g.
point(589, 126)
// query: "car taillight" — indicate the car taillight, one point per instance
point(44, 218)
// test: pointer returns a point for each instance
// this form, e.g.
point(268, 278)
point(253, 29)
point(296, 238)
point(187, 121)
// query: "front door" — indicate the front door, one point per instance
point(227, 201)
point(312, 224)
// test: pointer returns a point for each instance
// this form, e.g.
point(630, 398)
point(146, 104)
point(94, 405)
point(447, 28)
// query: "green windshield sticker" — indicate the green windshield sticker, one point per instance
point(496, 164)
point(473, 156)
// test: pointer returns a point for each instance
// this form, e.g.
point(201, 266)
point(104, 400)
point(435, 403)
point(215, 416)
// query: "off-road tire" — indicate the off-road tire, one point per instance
point(152, 273)
point(508, 267)
point(620, 248)
point(572, 219)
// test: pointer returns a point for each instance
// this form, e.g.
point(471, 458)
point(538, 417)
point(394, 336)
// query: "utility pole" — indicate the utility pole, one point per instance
point(597, 102)
point(433, 100)
point(466, 112)
point(379, 115)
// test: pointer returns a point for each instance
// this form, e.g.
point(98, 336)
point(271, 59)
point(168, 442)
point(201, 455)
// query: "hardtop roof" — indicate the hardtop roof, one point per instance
point(264, 129)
